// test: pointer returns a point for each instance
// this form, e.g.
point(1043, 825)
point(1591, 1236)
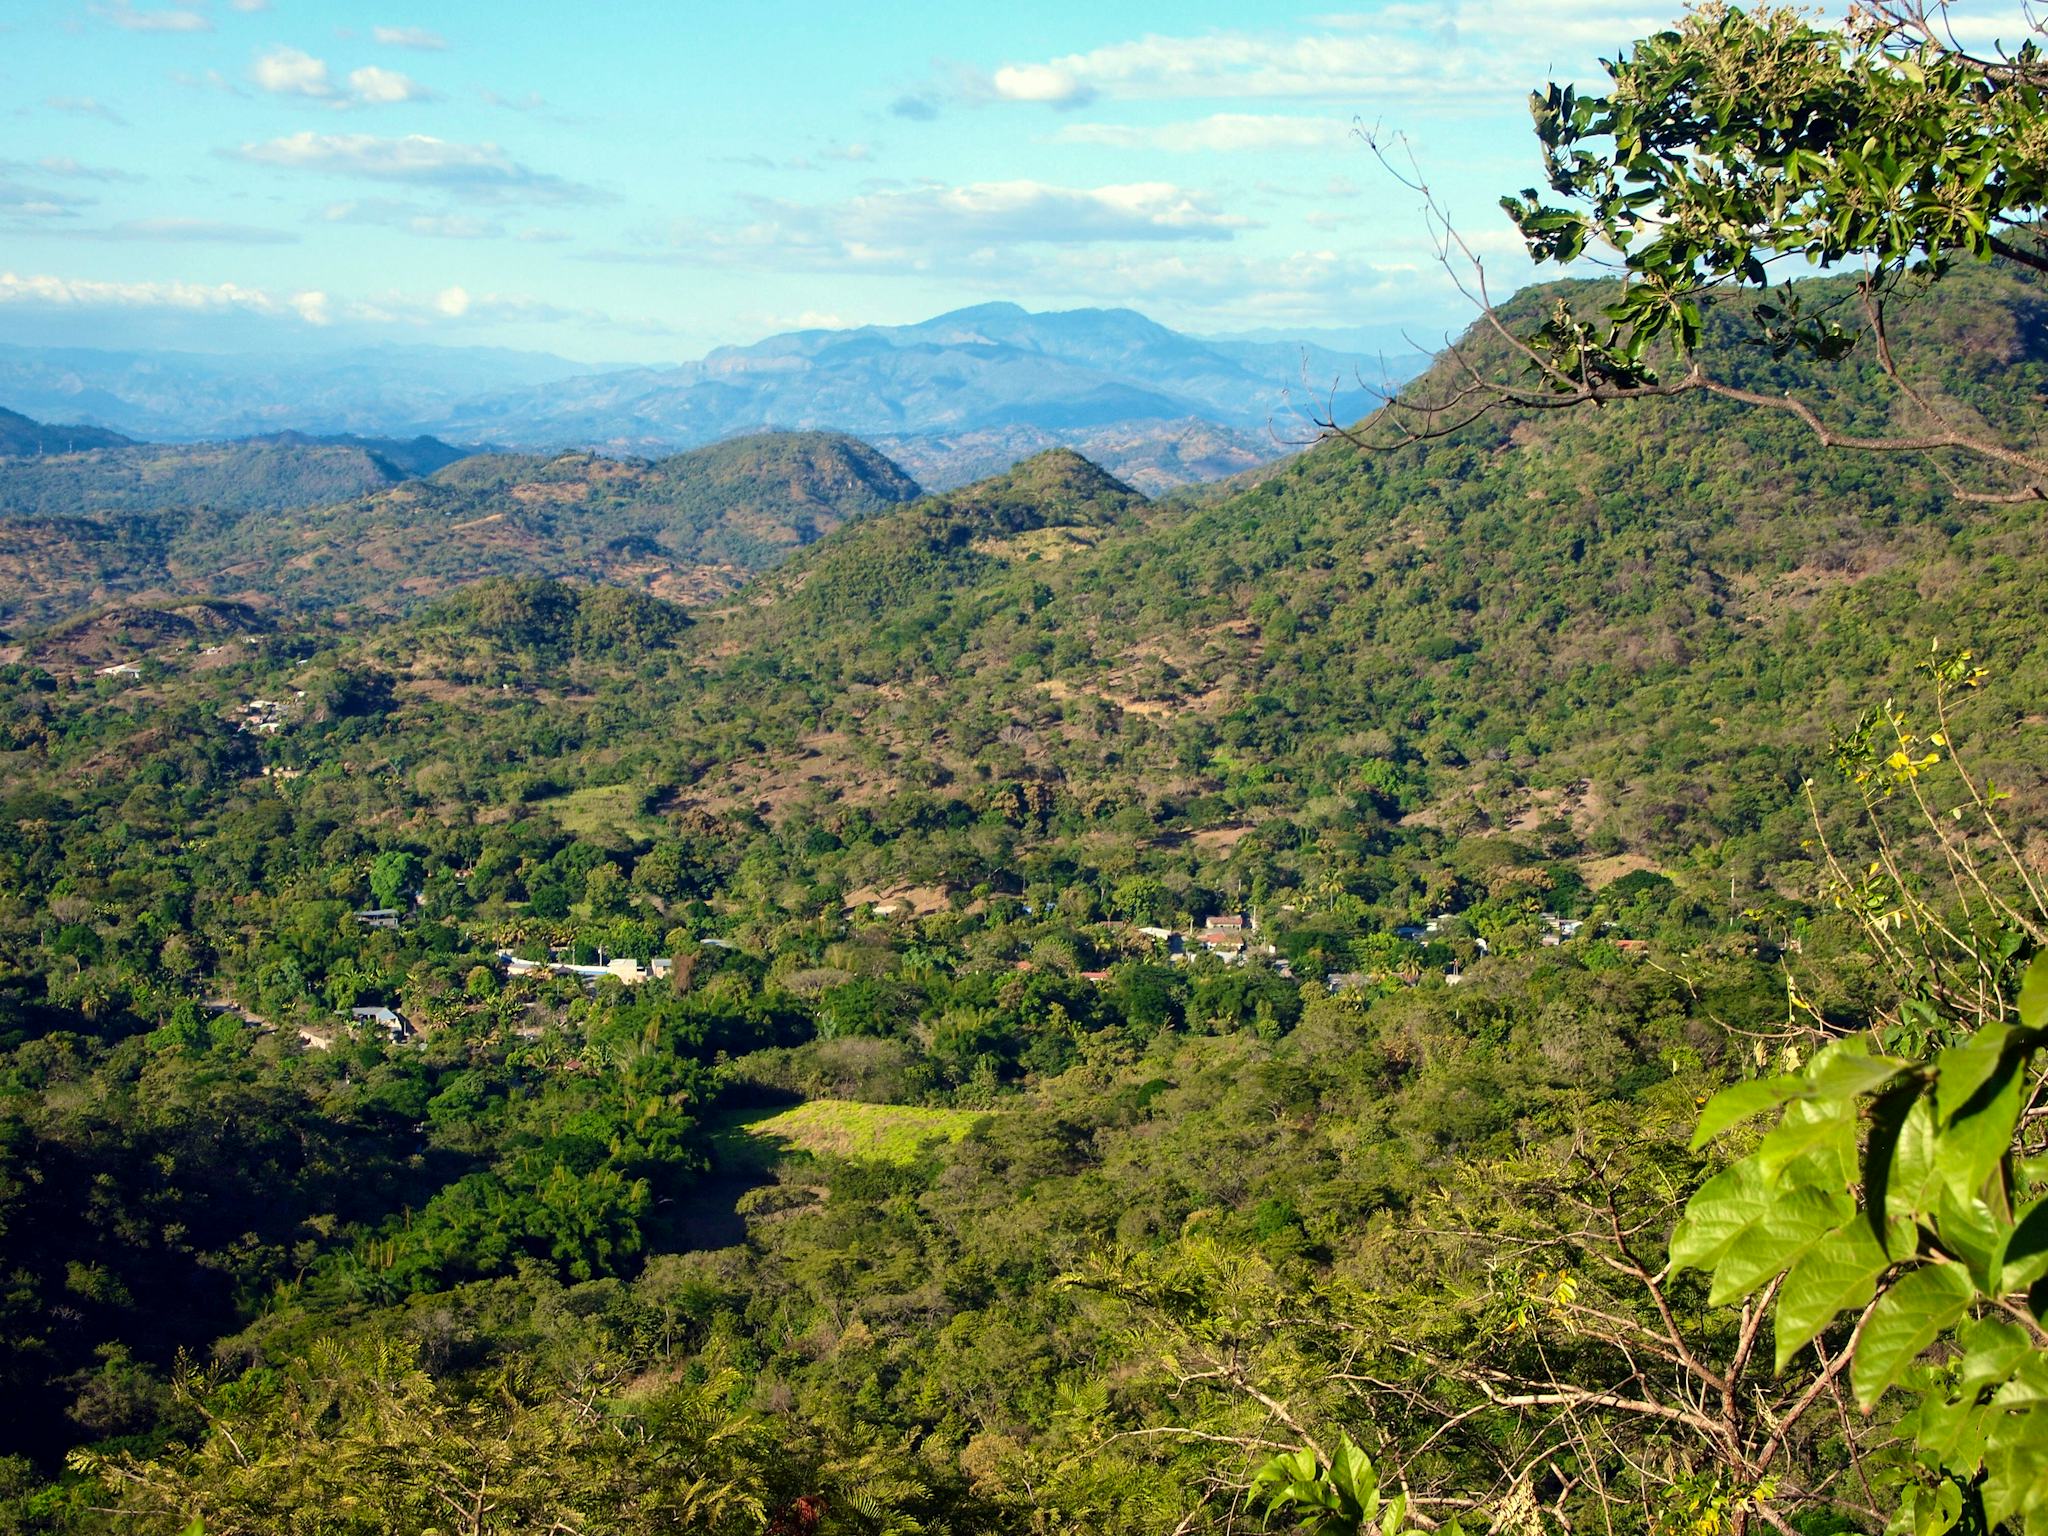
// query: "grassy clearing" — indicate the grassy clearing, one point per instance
point(601, 808)
point(887, 1133)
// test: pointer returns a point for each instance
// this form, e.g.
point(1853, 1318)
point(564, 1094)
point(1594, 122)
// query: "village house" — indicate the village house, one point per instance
point(383, 1018)
point(623, 967)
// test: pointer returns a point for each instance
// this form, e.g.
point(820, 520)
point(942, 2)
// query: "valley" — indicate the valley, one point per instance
point(1031, 922)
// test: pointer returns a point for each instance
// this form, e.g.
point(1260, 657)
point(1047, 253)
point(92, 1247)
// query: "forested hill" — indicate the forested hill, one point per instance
point(320, 523)
point(1620, 595)
point(263, 474)
point(688, 527)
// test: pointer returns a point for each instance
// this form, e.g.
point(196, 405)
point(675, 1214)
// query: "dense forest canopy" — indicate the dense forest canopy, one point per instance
point(1490, 983)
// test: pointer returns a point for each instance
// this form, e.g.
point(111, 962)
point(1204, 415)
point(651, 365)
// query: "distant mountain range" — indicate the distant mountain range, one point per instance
point(952, 398)
point(966, 393)
point(190, 396)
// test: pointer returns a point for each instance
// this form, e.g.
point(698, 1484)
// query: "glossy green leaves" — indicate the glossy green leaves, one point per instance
point(1885, 1193)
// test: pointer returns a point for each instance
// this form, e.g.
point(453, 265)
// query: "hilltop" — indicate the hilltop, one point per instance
point(22, 437)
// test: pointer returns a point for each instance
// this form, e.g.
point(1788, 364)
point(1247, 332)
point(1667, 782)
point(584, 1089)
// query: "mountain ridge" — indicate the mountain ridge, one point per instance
point(691, 527)
point(1079, 378)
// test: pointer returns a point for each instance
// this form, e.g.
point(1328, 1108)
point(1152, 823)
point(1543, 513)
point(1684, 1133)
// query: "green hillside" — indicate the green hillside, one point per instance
point(309, 523)
point(253, 475)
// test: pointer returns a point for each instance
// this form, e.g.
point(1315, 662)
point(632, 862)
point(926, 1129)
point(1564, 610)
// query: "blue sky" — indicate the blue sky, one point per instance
point(644, 179)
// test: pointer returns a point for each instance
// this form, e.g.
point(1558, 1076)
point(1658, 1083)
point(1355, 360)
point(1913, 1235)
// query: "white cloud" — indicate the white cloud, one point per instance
point(1029, 211)
point(413, 218)
point(1222, 131)
point(1051, 83)
point(287, 71)
point(915, 228)
point(308, 306)
point(248, 7)
point(1216, 288)
point(86, 293)
point(382, 87)
point(68, 168)
point(409, 37)
point(1447, 50)
point(21, 201)
point(180, 18)
point(482, 172)
point(207, 80)
point(184, 230)
point(85, 106)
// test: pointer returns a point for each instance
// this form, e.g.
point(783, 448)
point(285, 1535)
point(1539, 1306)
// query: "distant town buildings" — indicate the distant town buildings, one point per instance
point(624, 968)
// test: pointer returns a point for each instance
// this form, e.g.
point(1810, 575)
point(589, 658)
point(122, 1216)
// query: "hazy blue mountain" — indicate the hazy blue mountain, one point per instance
point(956, 397)
point(187, 396)
point(953, 394)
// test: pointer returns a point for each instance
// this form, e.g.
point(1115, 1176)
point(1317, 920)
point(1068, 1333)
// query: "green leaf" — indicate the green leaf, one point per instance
point(2025, 1258)
point(1826, 1126)
point(2034, 993)
point(1934, 1510)
point(1977, 1139)
point(1846, 1069)
point(1836, 1275)
point(2016, 1470)
point(1719, 1212)
point(1912, 1181)
point(1740, 1102)
point(1787, 1227)
point(1908, 1317)
point(1961, 1071)
point(1968, 1230)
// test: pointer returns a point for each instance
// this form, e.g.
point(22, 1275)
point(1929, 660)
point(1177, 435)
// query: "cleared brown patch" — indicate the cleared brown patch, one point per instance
point(917, 900)
point(1605, 871)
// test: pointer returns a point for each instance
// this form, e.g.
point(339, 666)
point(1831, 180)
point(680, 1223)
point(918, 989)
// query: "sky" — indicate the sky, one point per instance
point(641, 180)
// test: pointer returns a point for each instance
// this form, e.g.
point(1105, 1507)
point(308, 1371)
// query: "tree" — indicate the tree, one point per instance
point(1728, 145)
point(393, 875)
